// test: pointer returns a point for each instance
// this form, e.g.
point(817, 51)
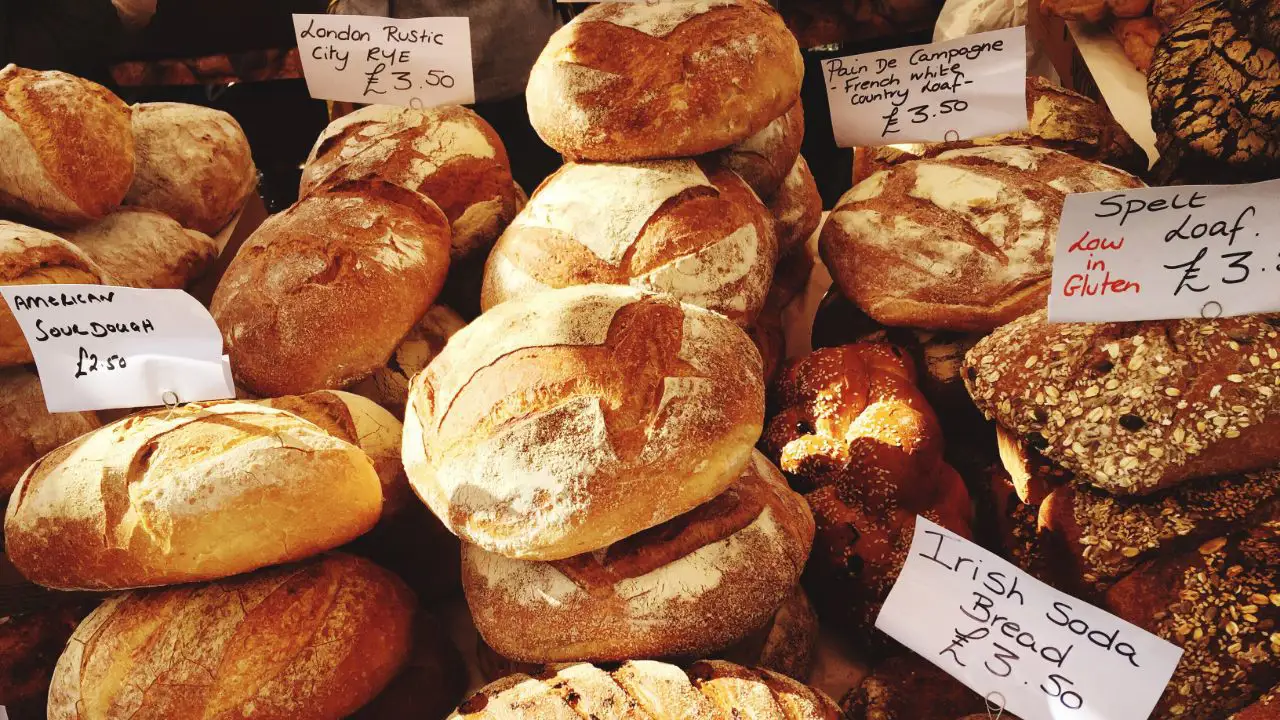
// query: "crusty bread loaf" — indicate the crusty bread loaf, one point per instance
point(1033, 475)
point(389, 385)
point(709, 690)
point(194, 164)
point(534, 431)
point(1138, 38)
point(27, 429)
point(450, 154)
point(145, 249)
point(430, 685)
point(797, 207)
point(315, 640)
point(764, 159)
point(66, 149)
point(690, 586)
point(672, 226)
point(196, 493)
point(33, 257)
point(963, 241)
point(636, 81)
point(1135, 407)
point(321, 294)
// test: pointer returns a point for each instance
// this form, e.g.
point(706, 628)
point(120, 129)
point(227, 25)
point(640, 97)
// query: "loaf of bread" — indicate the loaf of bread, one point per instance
point(1033, 476)
point(315, 640)
point(1138, 38)
point(764, 159)
point(431, 683)
point(963, 241)
point(196, 493)
point(534, 431)
point(797, 208)
point(671, 226)
point(450, 154)
point(145, 249)
point(708, 690)
point(1135, 407)
point(1094, 10)
point(194, 164)
point(27, 429)
point(389, 385)
point(636, 81)
point(321, 294)
point(690, 586)
point(33, 257)
point(66, 149)
point(908, 687)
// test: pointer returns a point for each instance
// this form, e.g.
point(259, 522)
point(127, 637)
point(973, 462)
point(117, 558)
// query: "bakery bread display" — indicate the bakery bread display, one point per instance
point(764, 159)
point(321, 294)
point(66, 148)
point(971, 249)
point(199, 492)
point(637, 81)
point(145, 249)
point(27, 429)
point(797, 207)
point(691, 230)
point(647, 688)
point(389, 385)
point(316, 640)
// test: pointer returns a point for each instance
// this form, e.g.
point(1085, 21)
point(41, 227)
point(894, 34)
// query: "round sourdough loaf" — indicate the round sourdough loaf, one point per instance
point(321, 294)
point(670, 226)
point(66, 149)
point(797, 207)
point(195, 493)
point(764, 159)
point(536, 429)
point(389, 385)
point(145, 249)
point(34, 257)
point(632, 81)
point(450, 154)
point(27, 429)
point(692, 585)
point(315, 640)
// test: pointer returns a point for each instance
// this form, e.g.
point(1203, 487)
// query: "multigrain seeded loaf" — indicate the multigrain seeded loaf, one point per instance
point(1135, 407)
point(708, 690)
point(679, 227)
point(27, 429)
point(145, 249)
point(962, 241)
point(764, 159)
point(630, 81)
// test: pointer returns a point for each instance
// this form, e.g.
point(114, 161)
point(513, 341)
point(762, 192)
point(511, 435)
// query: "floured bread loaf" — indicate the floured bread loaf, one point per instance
point(539, 425)
point(797, 207)
point(27, 429)
point(316, 640)
point(669, 226)
point(764, 159)
point(450, 154)
point(633, 81)
point(196, 493)
point(963, 241)
point(146, 249)
point(389, 385)
point(689, 586)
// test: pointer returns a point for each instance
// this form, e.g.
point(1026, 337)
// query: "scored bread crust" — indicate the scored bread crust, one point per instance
point(963, 241)
point(145, 249)
point(680, 227)
point(534, 431)
point(27, 429)
point(690, 586)
point(315, 640)
point(196, 493)
point(635, 81)
point(764, 159)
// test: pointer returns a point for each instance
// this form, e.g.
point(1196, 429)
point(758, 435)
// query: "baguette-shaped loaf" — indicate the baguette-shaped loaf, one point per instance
point(1135, 407)
point(315, 640)
point(195, 493)
point(764, 159)
point(145, 249)
point(27, 429)
point(649, 690)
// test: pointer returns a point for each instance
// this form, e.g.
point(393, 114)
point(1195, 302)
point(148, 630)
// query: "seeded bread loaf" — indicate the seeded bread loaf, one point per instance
point(1135, 407)
point(27, 429)
point(389, 385)
point(764, 159)
point(145, 249)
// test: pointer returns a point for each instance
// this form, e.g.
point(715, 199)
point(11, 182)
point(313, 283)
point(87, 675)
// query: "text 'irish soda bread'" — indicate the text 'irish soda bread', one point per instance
point(1135, 407)
point(689, 586)
point(670, 226)
point(315, 640)
point(536, 431)
point(194, 493)
point(708, 690)
point(631, 81)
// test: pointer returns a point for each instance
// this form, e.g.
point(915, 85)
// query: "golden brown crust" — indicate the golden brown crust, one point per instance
point(27, 429)
point(1138, 37)
point(797, 207)
point(764, 159)
point(145, 249)
point(909, 687)
point(389, 385)
point(430, 685)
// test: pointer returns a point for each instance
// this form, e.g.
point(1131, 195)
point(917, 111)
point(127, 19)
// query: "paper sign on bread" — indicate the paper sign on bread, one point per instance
point(1030, 650)
point(969, 87)
point(99, 347)
point(1163, 253)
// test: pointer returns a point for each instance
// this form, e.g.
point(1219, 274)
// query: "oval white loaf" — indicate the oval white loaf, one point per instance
point(196, 493)
point(27, 429)
point(145, 249)
point(536, 429)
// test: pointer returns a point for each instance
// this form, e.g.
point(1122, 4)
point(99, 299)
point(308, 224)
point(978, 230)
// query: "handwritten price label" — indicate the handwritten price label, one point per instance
point(1041, 654)
point(1157, 253)
point(970, 87)
point(99, 347)
point(358, 58)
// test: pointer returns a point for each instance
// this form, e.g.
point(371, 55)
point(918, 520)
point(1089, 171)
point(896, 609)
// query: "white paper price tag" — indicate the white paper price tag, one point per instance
point(99, 347)
point(417, 62)
point(1176, 252)
point(969, 87)
point(1038, 653)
